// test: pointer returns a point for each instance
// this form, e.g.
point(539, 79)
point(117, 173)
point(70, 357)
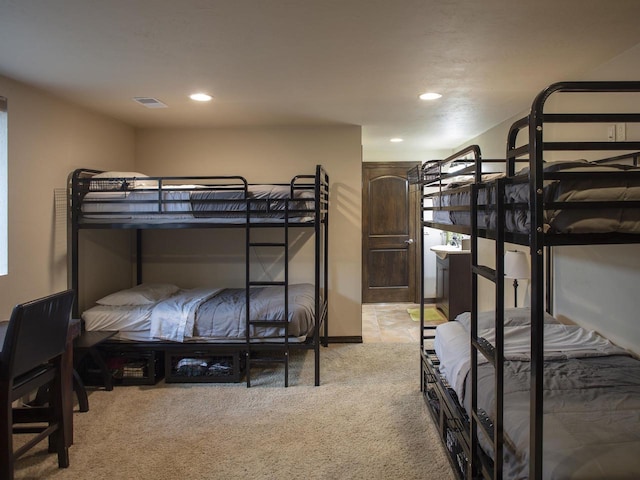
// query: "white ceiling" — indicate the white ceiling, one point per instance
point(314, 62)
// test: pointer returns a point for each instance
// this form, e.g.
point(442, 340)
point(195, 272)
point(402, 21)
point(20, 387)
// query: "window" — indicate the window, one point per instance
point(4, 236)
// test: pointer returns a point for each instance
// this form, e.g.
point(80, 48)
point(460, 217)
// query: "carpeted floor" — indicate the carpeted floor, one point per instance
point(367, 420)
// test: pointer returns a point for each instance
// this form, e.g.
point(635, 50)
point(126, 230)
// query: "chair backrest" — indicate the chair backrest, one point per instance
point(37, 332)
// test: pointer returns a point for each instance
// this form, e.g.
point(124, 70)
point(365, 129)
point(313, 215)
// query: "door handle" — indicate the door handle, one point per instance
point(409, 242)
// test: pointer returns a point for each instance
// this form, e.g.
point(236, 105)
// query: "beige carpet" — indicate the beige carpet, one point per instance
point(431, 315)
point(367, 420)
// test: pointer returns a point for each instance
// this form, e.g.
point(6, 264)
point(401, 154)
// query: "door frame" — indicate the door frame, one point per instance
point(415, 226)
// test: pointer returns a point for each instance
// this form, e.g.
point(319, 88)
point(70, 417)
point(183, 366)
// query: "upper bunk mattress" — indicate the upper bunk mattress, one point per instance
point(561, 220)
point(193, 202)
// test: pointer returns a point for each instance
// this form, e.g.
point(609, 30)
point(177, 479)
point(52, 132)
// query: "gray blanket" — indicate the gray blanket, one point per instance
point(223, 315)
point(219, 314)
point(264, 200)
point(591, 397)
point(591, 417)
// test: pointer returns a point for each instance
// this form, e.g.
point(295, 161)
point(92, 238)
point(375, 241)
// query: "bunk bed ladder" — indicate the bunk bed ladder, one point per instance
point(255, 349)
point(427, 332)
point(482, 467)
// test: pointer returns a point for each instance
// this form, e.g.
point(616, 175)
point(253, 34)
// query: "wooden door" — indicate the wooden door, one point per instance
point(389, 233)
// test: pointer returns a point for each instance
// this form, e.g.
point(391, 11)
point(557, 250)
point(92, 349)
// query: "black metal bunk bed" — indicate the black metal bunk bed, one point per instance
point(538, 209)
point(445, 189)
point(128, 200)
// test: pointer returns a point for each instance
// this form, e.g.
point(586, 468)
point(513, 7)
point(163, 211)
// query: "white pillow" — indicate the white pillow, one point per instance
point(114, 180)
point(143, 294)
point(118, 175)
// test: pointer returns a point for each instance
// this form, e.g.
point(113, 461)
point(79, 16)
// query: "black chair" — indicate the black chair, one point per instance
point(31, 357)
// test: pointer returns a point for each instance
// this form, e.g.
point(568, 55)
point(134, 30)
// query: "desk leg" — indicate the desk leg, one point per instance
point(67, 391)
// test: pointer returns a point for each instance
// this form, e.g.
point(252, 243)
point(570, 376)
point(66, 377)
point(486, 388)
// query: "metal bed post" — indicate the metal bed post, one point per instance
point(72, 242)
point(317, 277)
point(498, 437)
point(247, 287)
point(536, 247)
point(321, 264)
point(548, 278)
point(476, 466)
point(422, 272)
point(534, 124)
point(420, 185)
point(325, 207)
point(286, 293)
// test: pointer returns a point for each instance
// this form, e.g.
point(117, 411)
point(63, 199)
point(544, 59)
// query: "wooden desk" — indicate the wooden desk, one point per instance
point(67, 373)
point(86, 343)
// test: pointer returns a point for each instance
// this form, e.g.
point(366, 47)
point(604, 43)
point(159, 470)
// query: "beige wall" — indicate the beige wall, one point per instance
point(47, 139)
point(262, 155)
point(391, 154)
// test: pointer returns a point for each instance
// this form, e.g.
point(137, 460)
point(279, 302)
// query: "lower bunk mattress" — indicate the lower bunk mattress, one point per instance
point(591, 398)
point(164, 312)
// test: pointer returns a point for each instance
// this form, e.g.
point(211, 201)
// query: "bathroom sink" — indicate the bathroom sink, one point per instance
point(443, 250)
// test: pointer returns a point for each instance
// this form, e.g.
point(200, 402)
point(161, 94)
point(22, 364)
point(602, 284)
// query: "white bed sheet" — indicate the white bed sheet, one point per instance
point(122, 318)
point(174, 318)
point(451, 345)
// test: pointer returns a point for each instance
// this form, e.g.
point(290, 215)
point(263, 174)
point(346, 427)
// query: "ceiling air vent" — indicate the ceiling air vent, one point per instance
point(150, 102)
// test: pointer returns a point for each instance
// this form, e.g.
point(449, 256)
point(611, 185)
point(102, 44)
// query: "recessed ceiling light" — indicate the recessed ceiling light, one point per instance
point(430, 96)
point(200, 97)
point(396, 140)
